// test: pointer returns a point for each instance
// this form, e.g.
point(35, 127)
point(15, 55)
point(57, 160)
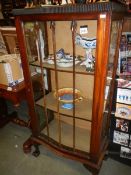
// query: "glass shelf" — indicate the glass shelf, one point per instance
point(78, 68)
point(83, 108)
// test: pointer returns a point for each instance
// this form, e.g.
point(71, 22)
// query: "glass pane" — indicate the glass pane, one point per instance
point(35, 40)
point(67, 131)
point(62, 70)
point(111, 65)
point(53, 129)
point(83, 134)
point(113, 45)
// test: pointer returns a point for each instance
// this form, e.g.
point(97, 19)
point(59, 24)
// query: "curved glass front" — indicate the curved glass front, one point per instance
point(61, 56)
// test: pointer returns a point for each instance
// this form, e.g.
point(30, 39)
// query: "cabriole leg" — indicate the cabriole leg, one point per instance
point(36, 153)
point(27, 145)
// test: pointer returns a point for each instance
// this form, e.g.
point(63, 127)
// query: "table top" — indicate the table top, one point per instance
point(15, 88)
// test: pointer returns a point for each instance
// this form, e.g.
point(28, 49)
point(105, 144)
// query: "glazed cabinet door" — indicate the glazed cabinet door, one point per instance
point(61, 57)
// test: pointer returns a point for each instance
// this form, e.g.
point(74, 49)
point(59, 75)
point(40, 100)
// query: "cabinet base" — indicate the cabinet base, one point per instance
point(90, 165)
point(93, 171)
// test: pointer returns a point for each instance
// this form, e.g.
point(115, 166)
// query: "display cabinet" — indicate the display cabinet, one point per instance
point(73, 49)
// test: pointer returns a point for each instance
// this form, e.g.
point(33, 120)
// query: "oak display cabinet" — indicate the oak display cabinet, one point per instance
point(73, 49)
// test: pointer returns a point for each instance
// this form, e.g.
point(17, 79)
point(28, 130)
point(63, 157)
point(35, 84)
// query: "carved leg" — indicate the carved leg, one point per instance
point(36, 153)
point(27, 145)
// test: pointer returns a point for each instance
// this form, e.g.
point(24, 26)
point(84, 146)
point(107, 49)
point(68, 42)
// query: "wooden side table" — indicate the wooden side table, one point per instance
point(15, 94)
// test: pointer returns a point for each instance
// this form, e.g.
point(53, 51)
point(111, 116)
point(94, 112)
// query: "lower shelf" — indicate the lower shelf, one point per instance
point(64, 134)
point(83, 109)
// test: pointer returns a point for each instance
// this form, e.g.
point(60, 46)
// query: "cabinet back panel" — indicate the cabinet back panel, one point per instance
point(84, 83)
point(64, 35)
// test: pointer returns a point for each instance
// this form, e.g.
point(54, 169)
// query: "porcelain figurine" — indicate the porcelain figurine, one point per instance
point(89, 62)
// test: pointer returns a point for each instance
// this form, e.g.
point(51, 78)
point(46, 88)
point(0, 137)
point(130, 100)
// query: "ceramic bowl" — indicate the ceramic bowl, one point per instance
point(65, 95)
